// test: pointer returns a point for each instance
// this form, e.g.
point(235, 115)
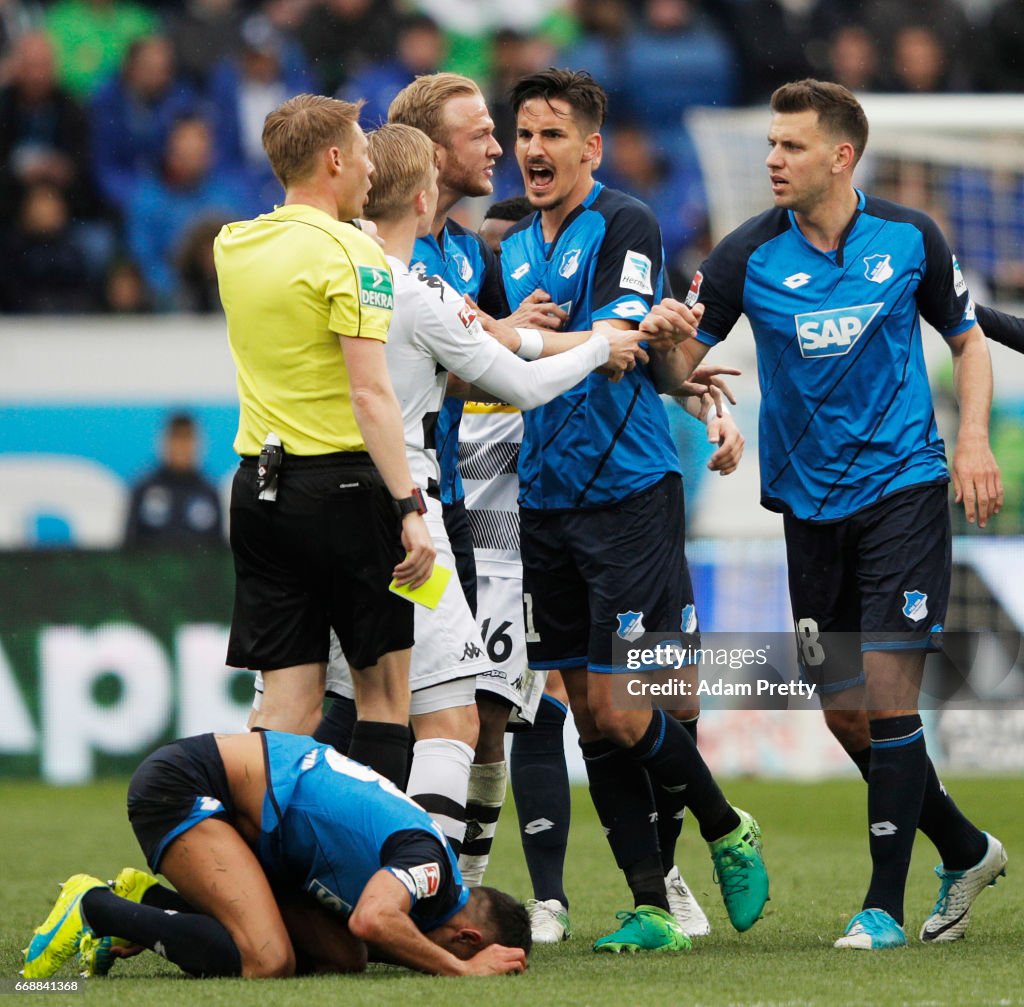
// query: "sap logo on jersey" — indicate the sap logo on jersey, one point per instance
point(833, 333)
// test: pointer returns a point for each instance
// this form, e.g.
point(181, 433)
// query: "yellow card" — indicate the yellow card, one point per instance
point(428, 594)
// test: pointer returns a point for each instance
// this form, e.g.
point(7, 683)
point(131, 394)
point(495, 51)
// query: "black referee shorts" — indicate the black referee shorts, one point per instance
point(320, 556)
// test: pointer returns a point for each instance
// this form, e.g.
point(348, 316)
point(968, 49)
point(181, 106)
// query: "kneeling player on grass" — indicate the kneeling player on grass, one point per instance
point(287, 857)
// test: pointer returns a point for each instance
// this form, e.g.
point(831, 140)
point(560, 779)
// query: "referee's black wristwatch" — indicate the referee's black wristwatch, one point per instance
point(412, 504)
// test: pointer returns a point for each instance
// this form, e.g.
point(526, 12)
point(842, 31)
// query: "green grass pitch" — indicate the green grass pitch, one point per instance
point(815, 847)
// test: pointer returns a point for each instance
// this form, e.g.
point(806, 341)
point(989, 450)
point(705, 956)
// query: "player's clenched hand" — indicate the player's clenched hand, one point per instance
point(496, 960)
point(976, 478)
point(419, 549)
point(722, 430)
point(624, 350)
point(538, 311)
point(670, 322)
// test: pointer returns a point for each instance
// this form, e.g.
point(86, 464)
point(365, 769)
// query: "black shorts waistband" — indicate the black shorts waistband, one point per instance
point(345, 459)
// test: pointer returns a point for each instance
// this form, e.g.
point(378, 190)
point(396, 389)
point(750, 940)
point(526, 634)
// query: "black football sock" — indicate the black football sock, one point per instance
point(678, 770)
point(335, 728)
point(383, 747)
point(670, 810)
point(196, 943)
point(540, 785)
point(161, 897)
point(896, 782)
point(622, 797)
point(960, 843)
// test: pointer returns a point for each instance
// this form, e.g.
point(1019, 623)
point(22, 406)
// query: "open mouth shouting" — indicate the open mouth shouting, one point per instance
point(540, 177)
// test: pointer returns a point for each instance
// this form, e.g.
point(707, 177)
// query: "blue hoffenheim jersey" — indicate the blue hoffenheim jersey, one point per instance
point(846, 409)
point(327, 822)
point(601, 441)
point(464, 261)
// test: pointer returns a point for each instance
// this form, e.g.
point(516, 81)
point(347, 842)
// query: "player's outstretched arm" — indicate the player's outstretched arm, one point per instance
point(381, 918)
point(1001, 327)
point(976, 480)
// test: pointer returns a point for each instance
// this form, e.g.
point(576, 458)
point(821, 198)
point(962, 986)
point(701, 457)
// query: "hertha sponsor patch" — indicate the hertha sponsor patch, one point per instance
point(959, 283)
point(693, 294)
point(636, 273)
point(375, 290)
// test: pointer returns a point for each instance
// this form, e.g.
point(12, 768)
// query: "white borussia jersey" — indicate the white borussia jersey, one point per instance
point(489, 440)
point(432, 331)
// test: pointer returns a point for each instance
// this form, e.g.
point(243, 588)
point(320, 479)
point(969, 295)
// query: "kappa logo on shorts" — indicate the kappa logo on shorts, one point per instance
point(631, 625)
point(688, 620)
point(915, 605)
point(375, 289)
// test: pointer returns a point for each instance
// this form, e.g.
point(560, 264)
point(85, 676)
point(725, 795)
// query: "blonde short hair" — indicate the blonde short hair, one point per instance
point(421, 103)
point(402, 157)
point(300, 128)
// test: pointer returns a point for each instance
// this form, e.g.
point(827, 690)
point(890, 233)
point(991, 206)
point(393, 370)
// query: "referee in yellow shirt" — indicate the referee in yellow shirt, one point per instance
point(308, 299)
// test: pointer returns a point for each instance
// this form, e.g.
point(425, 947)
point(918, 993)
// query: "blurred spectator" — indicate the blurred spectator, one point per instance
point(419, 49)
point(17, 18)
point(175, 505)
point(132, 115)
point(1003, 53)
point(91, 38)
point(197, 277)
point(124, 290)
point(243, 90)
point(919, 64)
point(778, 41)
point(43, 132)
point(164, 208)
point(605, 27)
point(203, 32)
point(43, 259)
point(340, 36)
point(854, 60)
point(500, 216)
point(671, 186)
point(515, 56)
point(471, 24)
point(676, 58)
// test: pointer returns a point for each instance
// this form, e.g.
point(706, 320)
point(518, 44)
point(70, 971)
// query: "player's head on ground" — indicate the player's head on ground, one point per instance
point(489, 917)
point(451, 110)
point(311, 139)
point(500, 217)
point(404, 177)
point(817, 135)
point(559, 115)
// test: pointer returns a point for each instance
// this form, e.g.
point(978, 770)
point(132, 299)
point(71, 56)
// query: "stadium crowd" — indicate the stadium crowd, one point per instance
point(130, 131)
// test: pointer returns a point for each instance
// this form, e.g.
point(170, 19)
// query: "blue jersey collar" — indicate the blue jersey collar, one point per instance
point(588, 202)
point(836, 255)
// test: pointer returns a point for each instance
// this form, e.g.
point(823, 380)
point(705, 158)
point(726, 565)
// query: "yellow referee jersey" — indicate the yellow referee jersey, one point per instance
point(291, 282)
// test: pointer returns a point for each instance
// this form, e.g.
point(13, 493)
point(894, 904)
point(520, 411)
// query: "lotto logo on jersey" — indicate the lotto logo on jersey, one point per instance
point(833, 333)
point(633, 308)
point(375, 290)
point(636, 273)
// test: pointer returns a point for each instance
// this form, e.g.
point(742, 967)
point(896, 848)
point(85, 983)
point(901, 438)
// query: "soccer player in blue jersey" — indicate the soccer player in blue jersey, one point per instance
point(286, 858)
point(601, 512)
point(834, 283)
